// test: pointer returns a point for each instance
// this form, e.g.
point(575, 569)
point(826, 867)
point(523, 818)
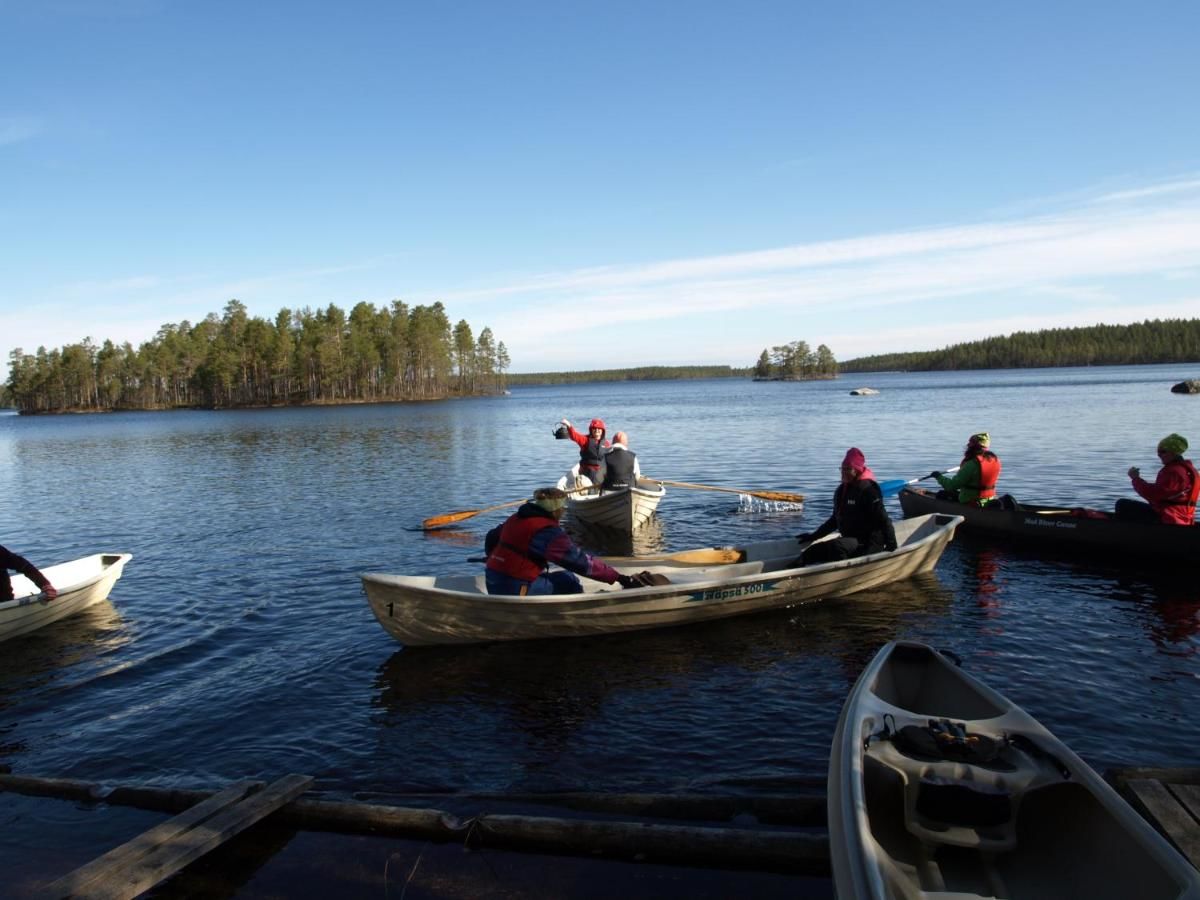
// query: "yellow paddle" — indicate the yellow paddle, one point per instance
point(451, 518)
point(705, 556)
point(777, 496)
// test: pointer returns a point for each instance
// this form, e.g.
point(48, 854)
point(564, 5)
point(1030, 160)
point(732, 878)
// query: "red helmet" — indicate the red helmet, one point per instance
point(597, 423)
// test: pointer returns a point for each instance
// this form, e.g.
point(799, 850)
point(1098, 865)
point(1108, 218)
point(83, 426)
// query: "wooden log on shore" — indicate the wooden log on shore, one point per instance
point(804, 810)
point(705, 846)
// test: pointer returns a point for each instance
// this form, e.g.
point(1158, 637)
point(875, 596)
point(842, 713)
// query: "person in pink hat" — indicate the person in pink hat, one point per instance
point(859, 517)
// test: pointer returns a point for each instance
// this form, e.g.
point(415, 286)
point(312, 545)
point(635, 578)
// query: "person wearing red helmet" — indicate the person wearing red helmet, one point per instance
point(592, 447)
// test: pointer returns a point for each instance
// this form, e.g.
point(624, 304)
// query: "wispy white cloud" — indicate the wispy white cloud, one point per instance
point(1071, 267)
point(15, 129)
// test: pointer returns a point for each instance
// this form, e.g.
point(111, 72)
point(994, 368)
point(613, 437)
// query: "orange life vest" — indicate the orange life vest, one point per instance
point(1187, 500)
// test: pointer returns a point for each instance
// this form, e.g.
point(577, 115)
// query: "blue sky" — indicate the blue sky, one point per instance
point(602, 185)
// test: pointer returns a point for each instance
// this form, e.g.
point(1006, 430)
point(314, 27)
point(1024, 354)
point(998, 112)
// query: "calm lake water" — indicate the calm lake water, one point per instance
point(239, 644)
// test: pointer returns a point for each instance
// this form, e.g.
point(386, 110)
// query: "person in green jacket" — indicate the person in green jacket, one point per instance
point(975, 481)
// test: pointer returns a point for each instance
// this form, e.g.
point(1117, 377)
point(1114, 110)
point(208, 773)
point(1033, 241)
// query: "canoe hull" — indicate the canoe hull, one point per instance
point(425, 610)
point(1056, 527)
point(623, 510)
point(80, 584)
point(1032, 821)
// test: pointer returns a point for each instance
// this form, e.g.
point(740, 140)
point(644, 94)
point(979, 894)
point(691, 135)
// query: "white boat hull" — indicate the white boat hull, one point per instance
point(623, 510)
point(456, 609)
point(1007, 811)
point(80, 584)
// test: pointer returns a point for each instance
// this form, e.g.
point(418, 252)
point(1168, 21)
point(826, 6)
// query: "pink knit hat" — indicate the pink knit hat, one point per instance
point(855, 460)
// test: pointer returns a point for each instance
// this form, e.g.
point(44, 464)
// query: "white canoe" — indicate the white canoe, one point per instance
point(456, 609)
point(80, 583)
point(623, 510)
point(940, 787)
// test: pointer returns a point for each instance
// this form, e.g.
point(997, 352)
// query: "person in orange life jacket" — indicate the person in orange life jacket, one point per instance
point(520, 550)
point(1171, 499)
point(858, 515)
point(621, 467)
point(975, 481)
point(10, 560)
point(591, 449)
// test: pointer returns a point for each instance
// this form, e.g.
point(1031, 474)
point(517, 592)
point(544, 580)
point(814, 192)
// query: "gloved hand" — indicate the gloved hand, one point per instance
point(641, 579)
point(1134, 472)
point(565, 422)
point(804, 538)
point(935, 474)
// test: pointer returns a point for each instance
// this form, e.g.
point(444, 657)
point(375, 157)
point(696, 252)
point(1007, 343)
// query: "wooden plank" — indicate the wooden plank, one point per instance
point(1168, 816)
point(1189, 797)
point(166, 859)
point(1177, 775)
point(128, 854)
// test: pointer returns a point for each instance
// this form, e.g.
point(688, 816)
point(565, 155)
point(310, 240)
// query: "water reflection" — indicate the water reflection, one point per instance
point(649, 539)
point(545, 701)
point(1168, 604)
point(36, 663)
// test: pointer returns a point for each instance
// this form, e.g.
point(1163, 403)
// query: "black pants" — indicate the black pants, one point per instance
point(832, 551)
point(1136, 511)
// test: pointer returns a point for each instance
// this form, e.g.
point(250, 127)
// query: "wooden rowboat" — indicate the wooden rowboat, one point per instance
point(1061, 528)
point(456, 609)
point(80, 583)
point(623, 510)
point(940, 787)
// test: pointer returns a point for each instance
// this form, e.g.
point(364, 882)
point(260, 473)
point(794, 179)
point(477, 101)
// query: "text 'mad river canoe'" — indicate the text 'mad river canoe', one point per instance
point(940, 787)
point(1061, 529)
point(79, 583)
point(456, 609)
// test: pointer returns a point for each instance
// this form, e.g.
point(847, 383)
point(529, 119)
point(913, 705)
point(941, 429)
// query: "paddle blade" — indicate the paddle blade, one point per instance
point(892, 486)
point(709, 556)
point(448, 519)
point(777, 496)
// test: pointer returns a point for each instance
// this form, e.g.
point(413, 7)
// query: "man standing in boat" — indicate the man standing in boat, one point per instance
point(10, 560)
point(520, 551)
point(859, 516)
point(592, 447)
point(621, 469)
point(1171, 499)
point(975, 482)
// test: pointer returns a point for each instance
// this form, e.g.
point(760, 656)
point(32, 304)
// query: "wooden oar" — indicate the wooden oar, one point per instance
point(704, 556)
point(777, 496)
point(450, 518)
point(894, 485)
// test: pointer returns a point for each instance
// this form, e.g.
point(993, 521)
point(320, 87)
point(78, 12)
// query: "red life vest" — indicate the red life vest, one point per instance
point(989, 474)
point(1181, 510)
point(511, 555)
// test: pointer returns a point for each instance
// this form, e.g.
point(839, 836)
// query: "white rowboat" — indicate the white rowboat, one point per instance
point(80, 583)
point(456, 609)
point(939, 787)
point(624, 509)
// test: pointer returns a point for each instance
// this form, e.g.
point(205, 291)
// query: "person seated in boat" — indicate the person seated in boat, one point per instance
point(520, 550)
point(592, 447)
point(975, 481)
point(1171, 499)
point(621, 469)
point(10, 560)
point(858, 515)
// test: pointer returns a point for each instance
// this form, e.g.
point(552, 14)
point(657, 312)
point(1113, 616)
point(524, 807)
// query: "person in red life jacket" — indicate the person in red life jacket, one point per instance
point(621, 469)
point(1171, 499)
point(859, 517)
point(592, 447)
point(975, 481)
point(10, 560)
point(520, 550)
